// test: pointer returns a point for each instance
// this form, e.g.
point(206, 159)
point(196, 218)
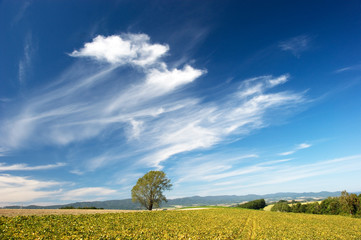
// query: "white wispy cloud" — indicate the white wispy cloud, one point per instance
point(349, 68)
point(158, 82)
point(25, 167)
point(90, 193)
point(3, 151)
point(295, 149)
point(25, 61)
point(16, 189)
point(296, 45)
point(303, 146)
point(21, 12)
point(203, 126)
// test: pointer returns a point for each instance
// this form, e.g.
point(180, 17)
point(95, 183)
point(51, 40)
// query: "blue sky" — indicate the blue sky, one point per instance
point(226, 97)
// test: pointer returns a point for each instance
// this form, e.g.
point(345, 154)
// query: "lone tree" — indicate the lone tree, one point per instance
point(149, 189)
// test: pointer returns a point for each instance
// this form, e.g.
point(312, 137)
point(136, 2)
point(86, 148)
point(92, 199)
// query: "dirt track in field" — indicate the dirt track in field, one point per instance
point(27, 212)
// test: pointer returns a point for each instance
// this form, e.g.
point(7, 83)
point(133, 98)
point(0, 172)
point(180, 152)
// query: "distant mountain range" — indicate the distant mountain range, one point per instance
point(194, 201)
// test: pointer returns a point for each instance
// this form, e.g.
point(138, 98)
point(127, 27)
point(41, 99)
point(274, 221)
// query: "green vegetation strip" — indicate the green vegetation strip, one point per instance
point(203, 224)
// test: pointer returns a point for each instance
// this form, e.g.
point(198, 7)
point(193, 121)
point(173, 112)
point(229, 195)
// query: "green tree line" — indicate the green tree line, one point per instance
point(346, 204)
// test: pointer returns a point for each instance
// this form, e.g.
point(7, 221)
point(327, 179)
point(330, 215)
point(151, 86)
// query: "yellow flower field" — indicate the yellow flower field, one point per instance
point(202, 224)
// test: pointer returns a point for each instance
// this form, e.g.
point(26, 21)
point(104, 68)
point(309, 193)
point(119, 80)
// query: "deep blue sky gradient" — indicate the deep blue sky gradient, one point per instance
point(230, 41)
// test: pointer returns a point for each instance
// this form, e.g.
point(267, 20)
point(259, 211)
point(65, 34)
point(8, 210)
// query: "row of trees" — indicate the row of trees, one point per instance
point(346, 204)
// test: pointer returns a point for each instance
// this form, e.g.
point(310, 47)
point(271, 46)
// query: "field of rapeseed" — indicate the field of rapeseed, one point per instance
point(201, 224)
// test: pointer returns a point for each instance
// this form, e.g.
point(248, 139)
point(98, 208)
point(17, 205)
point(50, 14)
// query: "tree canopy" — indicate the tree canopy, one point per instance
point(149, 189)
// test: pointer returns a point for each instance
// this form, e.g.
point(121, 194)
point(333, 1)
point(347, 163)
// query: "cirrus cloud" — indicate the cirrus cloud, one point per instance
point(25, 167)
point(296, 45)
point(297, 148)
